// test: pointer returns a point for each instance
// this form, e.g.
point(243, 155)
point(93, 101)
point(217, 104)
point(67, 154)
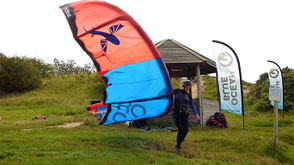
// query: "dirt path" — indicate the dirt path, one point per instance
point(66, 125)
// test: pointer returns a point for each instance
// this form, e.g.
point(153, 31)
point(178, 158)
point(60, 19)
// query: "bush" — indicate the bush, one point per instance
point(18, 74)
point(70, 67)
point(43, 69)
point(175, 83)
point(258, 96)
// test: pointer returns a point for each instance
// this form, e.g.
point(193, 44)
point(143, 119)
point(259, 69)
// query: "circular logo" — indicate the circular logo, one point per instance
point(225, 59)
point(274, 73)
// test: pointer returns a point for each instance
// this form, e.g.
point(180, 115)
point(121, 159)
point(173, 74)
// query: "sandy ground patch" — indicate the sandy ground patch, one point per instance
point(69, 125)
point(66, 125)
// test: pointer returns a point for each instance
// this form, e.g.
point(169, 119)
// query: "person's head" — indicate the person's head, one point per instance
point(186, 84)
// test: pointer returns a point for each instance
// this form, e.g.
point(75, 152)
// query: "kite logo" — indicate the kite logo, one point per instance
point(137, 110)
point(225, 59)
point(274, 73)
point(108, 36)
point(67, 12)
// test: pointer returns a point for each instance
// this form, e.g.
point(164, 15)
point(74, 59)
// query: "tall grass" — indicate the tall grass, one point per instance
point(65, 90)
point(60, 99)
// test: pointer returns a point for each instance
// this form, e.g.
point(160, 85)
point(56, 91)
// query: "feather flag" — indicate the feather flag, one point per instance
point(275, 75)
point(229, 78)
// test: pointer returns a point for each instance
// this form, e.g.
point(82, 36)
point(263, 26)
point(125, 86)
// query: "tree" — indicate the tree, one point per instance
point(70, 67)
point(43, 69)
point(18, 74)
point(288, 88)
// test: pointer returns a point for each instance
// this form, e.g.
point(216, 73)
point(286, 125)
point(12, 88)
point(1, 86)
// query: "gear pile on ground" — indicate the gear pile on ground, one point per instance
point(217, 120)
point(39, 117)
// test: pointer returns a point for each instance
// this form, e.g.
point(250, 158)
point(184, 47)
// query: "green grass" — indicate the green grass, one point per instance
point(67, 91)
point(118, 144)
point(210, 92)
point(27, 141)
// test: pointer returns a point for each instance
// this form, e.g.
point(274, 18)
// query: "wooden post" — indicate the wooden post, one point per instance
point(199, 94)
point(276, 123)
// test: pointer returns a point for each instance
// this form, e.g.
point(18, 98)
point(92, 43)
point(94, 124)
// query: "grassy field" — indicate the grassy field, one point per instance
point(63, 100)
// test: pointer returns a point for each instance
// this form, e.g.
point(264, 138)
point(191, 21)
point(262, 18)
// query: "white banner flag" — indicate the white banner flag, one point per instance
point(228, 78)
point(275, 77)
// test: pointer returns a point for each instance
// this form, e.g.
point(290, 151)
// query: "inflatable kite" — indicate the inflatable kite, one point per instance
point(137, 81)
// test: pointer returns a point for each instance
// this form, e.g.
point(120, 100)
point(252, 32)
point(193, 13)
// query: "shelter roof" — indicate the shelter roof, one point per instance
point(181, 61)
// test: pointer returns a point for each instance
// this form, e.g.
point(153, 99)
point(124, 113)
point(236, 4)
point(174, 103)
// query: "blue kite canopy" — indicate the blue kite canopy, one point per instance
point(140, 81)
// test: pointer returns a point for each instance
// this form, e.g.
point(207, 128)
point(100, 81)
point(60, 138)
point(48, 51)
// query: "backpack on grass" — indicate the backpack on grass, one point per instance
point(217, 120)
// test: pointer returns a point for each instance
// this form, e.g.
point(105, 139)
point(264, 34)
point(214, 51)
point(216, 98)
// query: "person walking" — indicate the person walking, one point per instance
point(182, 98)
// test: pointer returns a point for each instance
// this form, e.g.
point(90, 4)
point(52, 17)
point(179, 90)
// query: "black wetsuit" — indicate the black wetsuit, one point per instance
point(181, 114)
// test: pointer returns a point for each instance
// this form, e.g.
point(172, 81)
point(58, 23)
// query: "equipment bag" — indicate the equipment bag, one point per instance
point(217, 120)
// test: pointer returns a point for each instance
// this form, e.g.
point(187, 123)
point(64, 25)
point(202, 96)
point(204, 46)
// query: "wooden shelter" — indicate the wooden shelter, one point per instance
point(182, 61)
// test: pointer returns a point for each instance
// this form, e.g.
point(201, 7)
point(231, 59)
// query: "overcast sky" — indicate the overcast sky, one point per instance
point(258, 30)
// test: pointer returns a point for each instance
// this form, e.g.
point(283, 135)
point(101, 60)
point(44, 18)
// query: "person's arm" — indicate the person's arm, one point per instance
point(193, 108)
